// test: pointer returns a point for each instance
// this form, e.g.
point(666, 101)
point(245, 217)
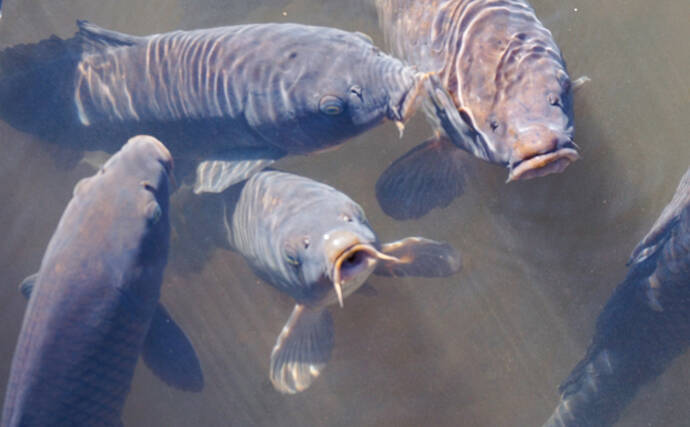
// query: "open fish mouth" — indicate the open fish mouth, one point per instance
point(352, 267)
point(543, 164)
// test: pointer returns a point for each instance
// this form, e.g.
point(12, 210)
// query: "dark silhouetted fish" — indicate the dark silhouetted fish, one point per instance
point(94, 302)
point(230, 100)
point(643, 327)
point(314, 243)
point(510, 96)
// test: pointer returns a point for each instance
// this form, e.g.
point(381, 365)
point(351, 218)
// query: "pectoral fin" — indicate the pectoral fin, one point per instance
point(214, 176)
point(302, 350)
point(429, 176)
point(169, 354)
point(580, 82)
point(27, 285)
point(418, 256)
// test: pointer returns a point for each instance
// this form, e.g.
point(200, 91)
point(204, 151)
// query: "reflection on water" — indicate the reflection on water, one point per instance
point(488, 346)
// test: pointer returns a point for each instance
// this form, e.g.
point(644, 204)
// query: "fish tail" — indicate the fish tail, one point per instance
point(37, 83)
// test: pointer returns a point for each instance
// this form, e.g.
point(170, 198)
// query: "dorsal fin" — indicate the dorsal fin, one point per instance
point(96, 36)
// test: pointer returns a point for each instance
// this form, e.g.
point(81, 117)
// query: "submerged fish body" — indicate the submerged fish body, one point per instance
point(94, 299)
point(643, 327)
point(506, 78)
point(315, 244)
point(246, 94)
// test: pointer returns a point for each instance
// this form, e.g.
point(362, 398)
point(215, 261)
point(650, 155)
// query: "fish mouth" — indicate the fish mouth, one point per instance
point(544, 164)
point(351, 269)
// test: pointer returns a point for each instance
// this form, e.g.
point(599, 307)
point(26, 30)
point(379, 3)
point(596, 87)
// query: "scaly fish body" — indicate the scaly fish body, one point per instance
point(643, 327)
point(95, 295)
point(506, 77)
point(230, 96)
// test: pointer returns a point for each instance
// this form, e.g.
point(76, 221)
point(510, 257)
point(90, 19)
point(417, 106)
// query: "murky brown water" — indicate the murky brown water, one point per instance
point(485, 348)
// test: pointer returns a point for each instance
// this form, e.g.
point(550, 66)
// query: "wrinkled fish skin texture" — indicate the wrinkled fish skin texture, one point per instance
point(281, 223)
point(503, 69)
point(95, 295)
point(643, 327)
point(292, 87)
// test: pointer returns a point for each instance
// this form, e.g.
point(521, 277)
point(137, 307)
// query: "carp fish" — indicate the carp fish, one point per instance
point(228, 101)
point(510, 99)
point(315, 244)
point(643, 327)
point(93, 304)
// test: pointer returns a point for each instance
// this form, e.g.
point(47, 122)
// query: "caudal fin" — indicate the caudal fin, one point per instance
point(36, 85)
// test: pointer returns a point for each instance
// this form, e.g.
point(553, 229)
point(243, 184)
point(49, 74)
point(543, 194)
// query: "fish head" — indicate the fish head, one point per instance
point(124, 208)
point(352, 87)
point(531, 120)
point(331, 255)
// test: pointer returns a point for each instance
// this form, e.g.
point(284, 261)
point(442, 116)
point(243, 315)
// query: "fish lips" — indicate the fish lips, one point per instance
point(351, 268)
point(555, 161)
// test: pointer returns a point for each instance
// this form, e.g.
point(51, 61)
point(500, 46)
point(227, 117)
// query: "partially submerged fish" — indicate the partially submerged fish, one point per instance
point(643, 327)
point(510, 96)
point(314, 243)
point(94, 302)
point(231, 100)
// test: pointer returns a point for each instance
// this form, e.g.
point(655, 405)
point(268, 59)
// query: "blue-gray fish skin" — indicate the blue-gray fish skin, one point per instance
point(506, 77)
point(643, 327)
point(96, 292)
point(214, 93)
point(314, 243)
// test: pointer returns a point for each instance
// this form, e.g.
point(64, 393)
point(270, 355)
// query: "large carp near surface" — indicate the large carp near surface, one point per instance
point(93, 304)
point(230, 100)
point(644, 326)
point(508, 82)
point(314, 243)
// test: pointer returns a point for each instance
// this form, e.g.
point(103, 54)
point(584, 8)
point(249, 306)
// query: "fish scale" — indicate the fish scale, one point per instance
point(643, 327)
point(93, 305)
point(508, 99)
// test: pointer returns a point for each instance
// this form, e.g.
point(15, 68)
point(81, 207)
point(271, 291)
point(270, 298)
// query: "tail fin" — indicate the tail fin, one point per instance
point(36, 85)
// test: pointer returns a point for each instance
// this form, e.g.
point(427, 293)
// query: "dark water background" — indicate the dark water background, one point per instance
point(485, 348)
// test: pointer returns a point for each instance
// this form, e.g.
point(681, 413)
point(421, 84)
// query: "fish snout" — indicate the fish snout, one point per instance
point(352, 260)
point(541, 151)
point(149, 146)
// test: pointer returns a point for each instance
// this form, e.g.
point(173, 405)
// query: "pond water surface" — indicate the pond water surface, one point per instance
point(487, 347)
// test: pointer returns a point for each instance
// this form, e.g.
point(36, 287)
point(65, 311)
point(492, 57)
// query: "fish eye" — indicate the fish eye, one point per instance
point(494, 124)
point(331, 105)
point(292, 259)
point(347, 218)
point(306, 243)
point(553, 99)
